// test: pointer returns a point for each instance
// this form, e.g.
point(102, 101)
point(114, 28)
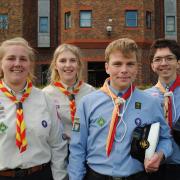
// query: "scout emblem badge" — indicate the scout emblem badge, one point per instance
point(3, 127)
point(76, 125)
point(144, 141)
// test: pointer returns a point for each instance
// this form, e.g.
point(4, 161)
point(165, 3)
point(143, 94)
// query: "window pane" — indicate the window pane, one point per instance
point(85, 18)
point(148, 20)
point(131, 18)
point(170, 24)
point(67, 20)
point(3, 21)
point(43, 24)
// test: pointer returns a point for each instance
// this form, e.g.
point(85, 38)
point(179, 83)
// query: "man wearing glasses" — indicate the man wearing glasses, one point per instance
point(164, 56)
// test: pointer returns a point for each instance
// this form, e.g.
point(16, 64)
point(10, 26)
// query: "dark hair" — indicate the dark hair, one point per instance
point(165, 43)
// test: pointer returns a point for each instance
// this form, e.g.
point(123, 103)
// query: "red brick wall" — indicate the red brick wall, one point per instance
point(14, 11)
point(93, 40)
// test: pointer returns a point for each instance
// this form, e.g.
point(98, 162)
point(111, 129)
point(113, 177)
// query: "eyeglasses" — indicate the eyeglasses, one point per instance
point(168, 59)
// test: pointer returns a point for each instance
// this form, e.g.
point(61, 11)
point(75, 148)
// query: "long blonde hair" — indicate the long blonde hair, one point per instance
point(60, 49)
point(22, 42)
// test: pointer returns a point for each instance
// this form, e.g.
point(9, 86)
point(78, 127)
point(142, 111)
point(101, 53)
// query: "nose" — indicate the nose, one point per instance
point(124, 68)
point(68, 63)
point(17, 62)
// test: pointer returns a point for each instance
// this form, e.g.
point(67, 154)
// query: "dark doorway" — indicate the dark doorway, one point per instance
point(96, 73)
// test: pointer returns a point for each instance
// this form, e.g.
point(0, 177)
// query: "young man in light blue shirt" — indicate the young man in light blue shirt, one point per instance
point(164, 56)
point(104, 124)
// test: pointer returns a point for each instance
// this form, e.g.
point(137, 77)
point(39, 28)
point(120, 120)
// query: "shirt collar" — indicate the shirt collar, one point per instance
point(167, 86)
point(13, 92)
point(69, 88)
point(116, 92)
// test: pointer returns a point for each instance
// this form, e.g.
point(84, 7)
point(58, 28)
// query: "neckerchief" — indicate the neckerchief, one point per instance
point(21, 141)
point(167, 99)
point(71, 96)
point(115, 114)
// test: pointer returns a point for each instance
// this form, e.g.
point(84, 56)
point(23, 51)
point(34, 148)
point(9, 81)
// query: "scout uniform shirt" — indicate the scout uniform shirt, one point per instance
point(88, 143)
point(42, 134)
point(153, 91)
point(61, 102)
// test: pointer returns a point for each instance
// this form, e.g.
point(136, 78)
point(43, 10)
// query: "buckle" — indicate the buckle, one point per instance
point(21, 172)
point(119, 178)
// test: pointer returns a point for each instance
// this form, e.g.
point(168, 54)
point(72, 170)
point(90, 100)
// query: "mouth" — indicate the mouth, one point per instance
point(16, 71)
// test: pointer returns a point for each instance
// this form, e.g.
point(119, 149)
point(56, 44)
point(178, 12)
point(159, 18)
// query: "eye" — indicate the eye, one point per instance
point(131, 64)
point(63, 60)
point(73, 60)
point(23, 59)
point(157, 60)
point(10, 58)
point(170, 58)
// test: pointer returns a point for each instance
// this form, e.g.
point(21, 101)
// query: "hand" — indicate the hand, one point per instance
point(152, 165)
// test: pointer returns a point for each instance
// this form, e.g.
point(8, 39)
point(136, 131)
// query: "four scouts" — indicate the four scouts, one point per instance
point(36, 126)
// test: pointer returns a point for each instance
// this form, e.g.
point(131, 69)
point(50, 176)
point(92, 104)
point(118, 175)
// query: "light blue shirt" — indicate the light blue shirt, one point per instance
point(88, 145)
point(153, 91)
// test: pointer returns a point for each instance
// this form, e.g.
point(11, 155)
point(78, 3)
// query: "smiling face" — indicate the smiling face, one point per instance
point(67, 66)
point(165, 69)
point(122, 70)
point(15, 65)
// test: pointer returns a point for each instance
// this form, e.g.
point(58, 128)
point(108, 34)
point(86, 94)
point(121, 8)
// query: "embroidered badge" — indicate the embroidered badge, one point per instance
point(44, 123)
point(144, 144)
point(138, 122)
point(1, 108)
point(137, 105)
point(100, 121)
point(3, 127)
point(76, 125)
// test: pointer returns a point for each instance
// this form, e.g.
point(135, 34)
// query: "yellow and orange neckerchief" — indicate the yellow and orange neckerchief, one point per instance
point(115, 114)
point(71, 96)
point(21, 141)
point(168, 100)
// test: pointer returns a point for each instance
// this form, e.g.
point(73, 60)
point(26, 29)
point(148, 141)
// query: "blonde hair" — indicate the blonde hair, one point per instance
point(125, 45)
point(19, 41)
point(60, 49)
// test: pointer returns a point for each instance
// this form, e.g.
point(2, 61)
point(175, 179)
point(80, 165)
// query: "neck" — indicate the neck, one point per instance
point(167, 80)
point(16, 87)
point(70, 83)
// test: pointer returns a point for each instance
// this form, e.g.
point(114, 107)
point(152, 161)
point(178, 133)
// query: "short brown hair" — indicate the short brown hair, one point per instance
point(164, 43)
point(125, 45)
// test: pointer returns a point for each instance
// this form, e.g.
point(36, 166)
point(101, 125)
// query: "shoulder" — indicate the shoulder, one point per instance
point(151, 90)
point(48, 88)
point(145, 96)
point(93, 96)
point(88, 87)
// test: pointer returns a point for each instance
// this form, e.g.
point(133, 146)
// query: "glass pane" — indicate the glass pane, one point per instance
point(85, 18)
point(3, 21)
point(170, 23)
point(43, 24)
point(131, 18)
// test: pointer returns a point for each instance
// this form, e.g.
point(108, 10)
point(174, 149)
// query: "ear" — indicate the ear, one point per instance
point(178, 64)
point(107, 67)
point(152, 66)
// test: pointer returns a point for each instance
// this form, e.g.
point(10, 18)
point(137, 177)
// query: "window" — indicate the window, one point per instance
point(3, 21)
point(131, 18)
point(67, 20)
point(170, 23)
point(43, 24)
point(85, 18)
point(148, 19)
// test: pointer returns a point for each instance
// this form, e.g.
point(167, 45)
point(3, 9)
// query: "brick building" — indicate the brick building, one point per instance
point(91, 25)
point(36, 21)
